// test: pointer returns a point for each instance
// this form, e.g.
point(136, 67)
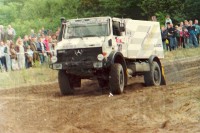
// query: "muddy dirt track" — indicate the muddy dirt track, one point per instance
point(171, 108)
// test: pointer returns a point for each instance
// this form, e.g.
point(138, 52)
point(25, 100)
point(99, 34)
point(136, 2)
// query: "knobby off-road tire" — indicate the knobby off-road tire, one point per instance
point(154, 76)
point(116, 79)
point(66, 87)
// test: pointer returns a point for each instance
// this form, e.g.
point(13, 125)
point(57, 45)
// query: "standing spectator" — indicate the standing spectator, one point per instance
point(29, 57)
point(47, 47)
point(45, 32)
point(2, 56)
point(7, 55)
point(21, 54)
point(179, 36)
point(32, 33)
point(171, 35)
point(1, 33)
point(164, 36)
point(181, 25)
point(13, 57)
point(153, 18)
point(196, 24)
point(192, 32)
point(168, 20)
point(50, 45)
point(33, 46)
point(185, 38)
point(26, 44)
point(26, 41)
point(54, 41)
point(41, 50)
point(39, 33)
point(57, 33)
point(11, 33)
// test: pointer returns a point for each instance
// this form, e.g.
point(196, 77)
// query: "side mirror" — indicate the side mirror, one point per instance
point(122, 27)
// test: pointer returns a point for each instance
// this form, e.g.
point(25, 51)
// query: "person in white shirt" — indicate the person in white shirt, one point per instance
point(21, 54)
point(11, 33)
point(168, 20)
point(2, 57)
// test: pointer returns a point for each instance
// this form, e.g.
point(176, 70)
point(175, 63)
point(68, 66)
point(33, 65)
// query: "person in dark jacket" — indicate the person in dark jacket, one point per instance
point(164, 33)
point(172, 37)
point(41, 50)
point(192, 31)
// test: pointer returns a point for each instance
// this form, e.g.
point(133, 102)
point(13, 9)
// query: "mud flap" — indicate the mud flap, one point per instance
point(163, 79)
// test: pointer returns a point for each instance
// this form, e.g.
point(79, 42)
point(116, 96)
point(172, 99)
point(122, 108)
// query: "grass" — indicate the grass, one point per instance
point(27, 77)
point(182, 53)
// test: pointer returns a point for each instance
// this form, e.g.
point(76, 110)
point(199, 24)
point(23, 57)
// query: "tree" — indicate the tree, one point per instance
point(174, 8)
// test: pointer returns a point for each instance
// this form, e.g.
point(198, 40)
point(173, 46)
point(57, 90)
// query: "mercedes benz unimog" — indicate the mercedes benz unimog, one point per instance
point(110, 50)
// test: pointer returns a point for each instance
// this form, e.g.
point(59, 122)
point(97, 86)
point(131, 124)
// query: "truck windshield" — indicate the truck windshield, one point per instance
point(88, 30)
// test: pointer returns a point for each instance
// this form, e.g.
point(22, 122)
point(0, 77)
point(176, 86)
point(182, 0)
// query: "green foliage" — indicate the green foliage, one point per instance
point(33, 14)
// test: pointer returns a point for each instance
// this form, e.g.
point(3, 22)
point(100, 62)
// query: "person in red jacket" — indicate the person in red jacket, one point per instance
point(47, 46)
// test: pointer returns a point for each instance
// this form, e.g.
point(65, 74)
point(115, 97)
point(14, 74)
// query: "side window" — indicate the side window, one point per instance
point(116, 28)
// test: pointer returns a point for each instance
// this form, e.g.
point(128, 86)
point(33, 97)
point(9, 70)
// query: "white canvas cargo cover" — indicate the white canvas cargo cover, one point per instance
point(143, 39)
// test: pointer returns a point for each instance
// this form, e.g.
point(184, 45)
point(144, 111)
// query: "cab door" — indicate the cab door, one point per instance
point(119, 37)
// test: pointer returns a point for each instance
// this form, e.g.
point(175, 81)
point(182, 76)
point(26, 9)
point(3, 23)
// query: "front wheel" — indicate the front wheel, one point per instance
point(116, 79)
point(66, 87)
point(154, 76)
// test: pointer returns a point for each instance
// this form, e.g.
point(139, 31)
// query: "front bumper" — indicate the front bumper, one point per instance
point(86, 68)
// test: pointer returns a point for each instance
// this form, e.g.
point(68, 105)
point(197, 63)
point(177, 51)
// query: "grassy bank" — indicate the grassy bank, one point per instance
point(32, 76)
point(182, 53)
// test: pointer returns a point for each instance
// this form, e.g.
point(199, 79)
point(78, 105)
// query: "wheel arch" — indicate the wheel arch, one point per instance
point(117, 57)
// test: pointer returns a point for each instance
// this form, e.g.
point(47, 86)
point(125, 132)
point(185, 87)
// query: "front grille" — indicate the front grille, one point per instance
point(81, 54)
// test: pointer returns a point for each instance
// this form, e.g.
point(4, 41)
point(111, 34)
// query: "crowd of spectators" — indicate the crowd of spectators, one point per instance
point(184, 35)
point(36, 48)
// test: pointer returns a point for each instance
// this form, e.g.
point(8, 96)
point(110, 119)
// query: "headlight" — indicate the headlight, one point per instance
point(100, 57)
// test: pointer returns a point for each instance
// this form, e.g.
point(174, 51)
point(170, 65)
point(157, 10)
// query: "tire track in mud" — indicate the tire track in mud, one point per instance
point(41, 108)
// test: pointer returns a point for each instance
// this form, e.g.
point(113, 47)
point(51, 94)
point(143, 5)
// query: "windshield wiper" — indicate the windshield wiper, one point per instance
point(90, 36)
point(70, 37)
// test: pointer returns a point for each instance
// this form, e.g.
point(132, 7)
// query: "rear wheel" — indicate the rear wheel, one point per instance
point(66, 87)
point(153, 77)
point(116, 79)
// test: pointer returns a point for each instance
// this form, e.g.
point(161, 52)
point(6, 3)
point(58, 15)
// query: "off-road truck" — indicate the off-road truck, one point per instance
point(110, 50)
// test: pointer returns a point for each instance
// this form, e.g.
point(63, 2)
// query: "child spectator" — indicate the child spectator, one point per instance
point(179, 36)
point(185, 38)
point(13, 57)
point(29, 56)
